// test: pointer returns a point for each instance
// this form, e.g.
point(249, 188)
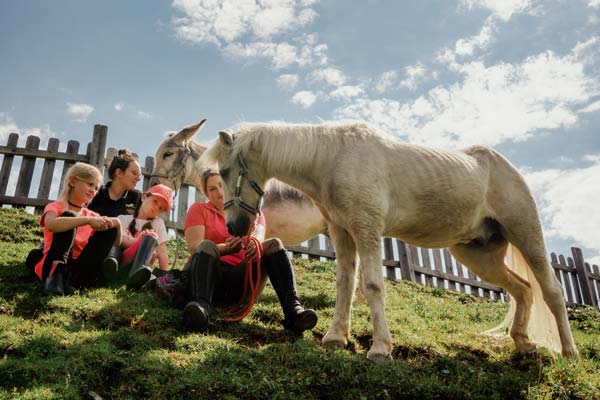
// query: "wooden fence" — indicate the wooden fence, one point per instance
point(432, 267)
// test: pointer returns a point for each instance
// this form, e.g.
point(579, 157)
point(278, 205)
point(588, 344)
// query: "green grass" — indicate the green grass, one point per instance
point(120, 345)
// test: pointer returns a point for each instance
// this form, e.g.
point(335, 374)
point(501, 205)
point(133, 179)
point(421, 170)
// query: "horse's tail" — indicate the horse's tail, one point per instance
point(542, 329)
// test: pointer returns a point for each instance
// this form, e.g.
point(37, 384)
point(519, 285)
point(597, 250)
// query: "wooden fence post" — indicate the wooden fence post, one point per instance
point(388, 254)
point(98, 147)
point(47, 173)
point(148, 168)
point(13, 140)
point(583, 276)
point(408, 274)
point(72, 148)
point(27, 166)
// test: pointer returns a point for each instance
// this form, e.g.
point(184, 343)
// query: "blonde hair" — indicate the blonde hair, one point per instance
point(82, 171)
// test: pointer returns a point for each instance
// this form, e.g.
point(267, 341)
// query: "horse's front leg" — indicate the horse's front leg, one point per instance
point(374, 287)
point(345, 249)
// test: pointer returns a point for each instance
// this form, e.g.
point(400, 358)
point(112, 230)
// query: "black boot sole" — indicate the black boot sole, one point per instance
point(302, 322)
point(195, 317)
point(139, 278)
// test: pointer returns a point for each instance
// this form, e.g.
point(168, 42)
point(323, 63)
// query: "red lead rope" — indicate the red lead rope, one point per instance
point(243, 308)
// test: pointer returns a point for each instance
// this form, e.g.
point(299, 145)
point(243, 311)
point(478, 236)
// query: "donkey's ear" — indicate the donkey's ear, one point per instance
point(188, 132)
point(226, 138)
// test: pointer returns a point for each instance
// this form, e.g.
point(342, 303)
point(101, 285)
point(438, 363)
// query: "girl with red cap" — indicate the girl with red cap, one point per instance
point(145, 237)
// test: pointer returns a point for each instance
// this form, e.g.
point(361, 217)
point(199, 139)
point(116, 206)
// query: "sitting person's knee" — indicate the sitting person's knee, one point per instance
point(272, 245)
point(208, 247)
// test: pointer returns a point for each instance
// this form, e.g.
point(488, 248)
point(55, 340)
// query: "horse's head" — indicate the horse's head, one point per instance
point(172, 161)
point(243, 181)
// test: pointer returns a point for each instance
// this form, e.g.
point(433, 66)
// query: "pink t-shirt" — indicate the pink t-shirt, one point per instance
point(82, 235)
point(215, 226)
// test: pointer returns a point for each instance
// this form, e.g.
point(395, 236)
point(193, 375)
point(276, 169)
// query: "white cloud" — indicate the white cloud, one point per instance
point(132, 110)
point(346, 92)
point(225, 21)
point(414, 74)
point(594, 3)
point(80, 112)
point(568, 202)
point(387, 80)
point(287, 81)
point(7, 126)
point(504, 9)
point(466, 47)
point(330, 76)
point(593, 107)
point(143, 115)
point(491, 104)
point(304, 98)
point(281, 55)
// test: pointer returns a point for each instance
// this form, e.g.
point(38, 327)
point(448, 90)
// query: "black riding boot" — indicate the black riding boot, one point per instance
point(200, 277)
point(140, 272)
point(110, 265)
point(281, 274)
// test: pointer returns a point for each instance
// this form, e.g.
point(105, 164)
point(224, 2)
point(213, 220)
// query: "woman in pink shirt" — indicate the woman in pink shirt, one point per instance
point(214, 274)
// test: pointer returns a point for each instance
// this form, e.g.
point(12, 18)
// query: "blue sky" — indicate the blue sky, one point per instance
point(522, 76)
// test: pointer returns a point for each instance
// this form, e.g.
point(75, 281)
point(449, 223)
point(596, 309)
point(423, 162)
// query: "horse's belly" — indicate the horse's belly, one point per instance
point(435, 232)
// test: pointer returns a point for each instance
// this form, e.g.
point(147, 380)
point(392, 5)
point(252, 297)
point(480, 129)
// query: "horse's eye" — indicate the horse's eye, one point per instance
point(167, 154)
point(224, 173)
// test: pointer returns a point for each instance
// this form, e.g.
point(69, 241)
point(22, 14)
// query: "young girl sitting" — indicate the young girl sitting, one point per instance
point(76, 240)
point(145, 237)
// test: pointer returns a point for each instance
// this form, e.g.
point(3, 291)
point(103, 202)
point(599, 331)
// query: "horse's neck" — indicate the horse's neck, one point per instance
point(296, 169)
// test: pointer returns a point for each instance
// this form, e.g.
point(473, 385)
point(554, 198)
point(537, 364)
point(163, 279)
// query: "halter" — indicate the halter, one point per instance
point(237, 199)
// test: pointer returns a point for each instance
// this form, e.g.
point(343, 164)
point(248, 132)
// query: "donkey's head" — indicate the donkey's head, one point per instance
point(173, 161)
point(243, 180)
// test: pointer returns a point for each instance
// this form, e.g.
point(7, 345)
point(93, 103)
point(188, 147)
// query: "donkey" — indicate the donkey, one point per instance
point(290, 214)
point(472, 201)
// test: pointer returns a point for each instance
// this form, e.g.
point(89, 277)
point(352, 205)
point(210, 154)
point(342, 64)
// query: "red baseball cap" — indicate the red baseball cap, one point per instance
point(163, 192)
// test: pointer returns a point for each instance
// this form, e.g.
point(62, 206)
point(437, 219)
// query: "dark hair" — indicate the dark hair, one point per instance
point(205, 175)
point(121, 161)
point(147, 225)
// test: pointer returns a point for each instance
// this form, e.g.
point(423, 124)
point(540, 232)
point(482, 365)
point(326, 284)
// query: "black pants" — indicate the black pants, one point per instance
point(86, 269)
point(230, 282)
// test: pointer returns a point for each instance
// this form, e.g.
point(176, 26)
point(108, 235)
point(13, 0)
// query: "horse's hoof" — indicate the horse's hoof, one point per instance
point(379, 358)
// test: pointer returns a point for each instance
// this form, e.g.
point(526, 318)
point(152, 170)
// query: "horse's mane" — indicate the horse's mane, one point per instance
point(291, 144)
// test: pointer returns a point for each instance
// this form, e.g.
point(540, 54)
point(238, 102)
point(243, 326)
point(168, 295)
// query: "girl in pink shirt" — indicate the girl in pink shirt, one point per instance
point(76, 240)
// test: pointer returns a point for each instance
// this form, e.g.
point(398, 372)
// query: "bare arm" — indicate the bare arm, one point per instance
point(62, 224)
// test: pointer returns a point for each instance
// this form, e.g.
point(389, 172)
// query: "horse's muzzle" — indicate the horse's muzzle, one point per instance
point(239, 225)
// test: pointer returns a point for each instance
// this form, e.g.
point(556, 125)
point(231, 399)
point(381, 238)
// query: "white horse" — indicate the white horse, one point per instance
point(290, 214)
point(472, 201)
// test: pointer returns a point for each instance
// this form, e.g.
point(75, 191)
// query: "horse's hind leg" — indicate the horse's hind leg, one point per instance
point(487, 261)
point(345, 286)
point(534, 253)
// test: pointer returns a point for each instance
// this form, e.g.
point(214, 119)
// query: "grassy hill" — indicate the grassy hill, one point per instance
point(114, 344)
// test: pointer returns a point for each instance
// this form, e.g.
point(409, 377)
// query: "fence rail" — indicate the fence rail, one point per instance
point(432, 267)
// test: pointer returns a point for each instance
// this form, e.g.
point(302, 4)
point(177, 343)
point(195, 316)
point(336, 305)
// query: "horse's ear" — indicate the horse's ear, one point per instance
point(188, 132)
point(226, 138)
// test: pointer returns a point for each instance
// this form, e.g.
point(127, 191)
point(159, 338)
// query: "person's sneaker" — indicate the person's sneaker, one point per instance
point(110, 269)
point(302, 320)
point(138, 278)
point(195, 317)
